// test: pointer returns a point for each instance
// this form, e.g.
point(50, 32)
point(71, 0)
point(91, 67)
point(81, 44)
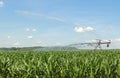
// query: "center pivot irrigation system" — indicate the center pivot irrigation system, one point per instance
point(97, 44)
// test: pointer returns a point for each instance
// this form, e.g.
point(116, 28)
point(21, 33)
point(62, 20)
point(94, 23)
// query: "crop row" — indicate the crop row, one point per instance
point(60, 64)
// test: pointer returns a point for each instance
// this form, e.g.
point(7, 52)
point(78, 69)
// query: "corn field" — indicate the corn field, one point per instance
point(60, 64)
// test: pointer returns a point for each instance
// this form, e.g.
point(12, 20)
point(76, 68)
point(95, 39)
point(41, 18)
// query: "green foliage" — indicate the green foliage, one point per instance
point(60, 64)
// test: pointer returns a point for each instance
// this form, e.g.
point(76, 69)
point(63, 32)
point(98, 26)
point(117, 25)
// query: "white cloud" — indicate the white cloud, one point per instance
point(83, 29)
point(55, 18)
point(34, 30)
point(79, 29)
point(39, 42)
point(27, 29)
point(8, 37)
point(40, 15)
point(1, 3)
point(88, 29)
point(30, 37)
point(17, 44)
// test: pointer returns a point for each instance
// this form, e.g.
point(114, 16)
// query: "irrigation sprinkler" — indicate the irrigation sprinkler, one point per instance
point(97, 44)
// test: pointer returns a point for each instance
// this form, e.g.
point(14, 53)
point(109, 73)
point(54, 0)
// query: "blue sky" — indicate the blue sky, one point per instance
point(58, 22)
